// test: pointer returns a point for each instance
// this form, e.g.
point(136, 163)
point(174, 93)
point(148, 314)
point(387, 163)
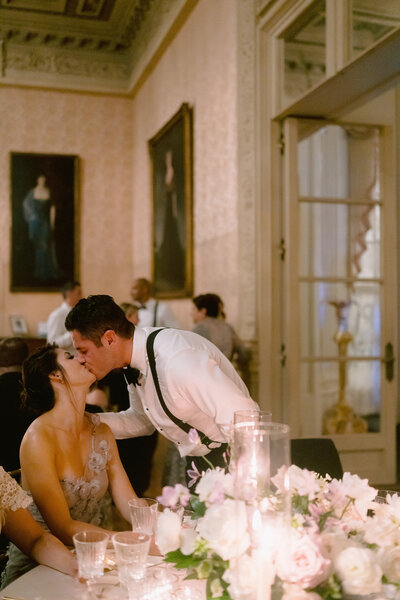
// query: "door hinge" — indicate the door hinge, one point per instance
point(283, 355)
point(389, 361)
point(282, 249)
point(281, 142)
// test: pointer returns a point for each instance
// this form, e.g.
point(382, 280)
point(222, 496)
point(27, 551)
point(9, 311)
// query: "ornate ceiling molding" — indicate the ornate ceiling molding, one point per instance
point(101, 45)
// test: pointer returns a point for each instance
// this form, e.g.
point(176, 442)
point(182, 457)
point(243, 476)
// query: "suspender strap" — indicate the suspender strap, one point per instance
point(155, 315)
point(152, 361)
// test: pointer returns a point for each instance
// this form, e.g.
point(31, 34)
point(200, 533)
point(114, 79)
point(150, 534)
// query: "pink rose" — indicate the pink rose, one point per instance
point(301, 561)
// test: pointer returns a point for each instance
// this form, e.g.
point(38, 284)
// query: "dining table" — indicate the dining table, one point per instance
point(163, 582)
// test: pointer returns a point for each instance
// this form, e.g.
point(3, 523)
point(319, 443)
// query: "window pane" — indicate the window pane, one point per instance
point(338, 240)
point(320, 392)
point(320, 322)
point(304, 45)
point(340, 162)
point(371, 20)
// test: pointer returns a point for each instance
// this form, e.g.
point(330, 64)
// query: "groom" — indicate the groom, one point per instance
point(184, 385)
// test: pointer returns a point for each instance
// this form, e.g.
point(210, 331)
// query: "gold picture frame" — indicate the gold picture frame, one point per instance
point(172, 206)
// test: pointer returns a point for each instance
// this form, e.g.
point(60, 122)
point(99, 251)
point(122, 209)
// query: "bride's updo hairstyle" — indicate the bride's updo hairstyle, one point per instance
point(38, 394)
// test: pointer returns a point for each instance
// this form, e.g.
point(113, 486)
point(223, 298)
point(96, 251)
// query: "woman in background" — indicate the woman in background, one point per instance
point(209, 318)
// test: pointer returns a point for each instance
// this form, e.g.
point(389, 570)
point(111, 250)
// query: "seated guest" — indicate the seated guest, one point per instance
point(56, 332)
point(152, 312)
point(209, 319)
point(131, 312)
point(13, 418)
point(21, 528)
point(68, 458)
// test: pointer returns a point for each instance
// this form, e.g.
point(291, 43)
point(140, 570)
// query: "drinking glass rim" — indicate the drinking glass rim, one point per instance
point(146, 537)
point(252, 411)
point(152, 502)
point(102, 536)
point(256, 427)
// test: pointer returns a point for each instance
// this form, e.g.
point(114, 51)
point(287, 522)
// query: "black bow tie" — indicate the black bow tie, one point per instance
point(142, 306)
point(131, 375)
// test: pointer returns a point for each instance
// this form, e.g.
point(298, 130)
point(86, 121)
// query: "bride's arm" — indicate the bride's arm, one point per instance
point(120, 487)
point(39, 475)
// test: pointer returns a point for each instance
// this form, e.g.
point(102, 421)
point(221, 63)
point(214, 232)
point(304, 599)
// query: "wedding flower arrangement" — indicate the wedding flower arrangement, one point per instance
point(337, 541)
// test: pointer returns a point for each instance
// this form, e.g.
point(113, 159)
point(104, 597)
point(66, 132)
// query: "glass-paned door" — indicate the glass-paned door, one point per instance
point(340, 316)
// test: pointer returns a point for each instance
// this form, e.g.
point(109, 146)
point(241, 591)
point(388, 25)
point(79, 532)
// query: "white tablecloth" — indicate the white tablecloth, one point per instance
point(43, 583)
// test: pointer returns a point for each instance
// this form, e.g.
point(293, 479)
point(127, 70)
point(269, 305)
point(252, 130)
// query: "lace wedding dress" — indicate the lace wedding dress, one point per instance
point(12, 496)
point(87, 499)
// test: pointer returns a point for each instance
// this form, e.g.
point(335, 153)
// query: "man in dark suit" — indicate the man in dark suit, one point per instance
point(14, 420)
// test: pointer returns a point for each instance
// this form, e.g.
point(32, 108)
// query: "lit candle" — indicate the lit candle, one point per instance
point(264, 537)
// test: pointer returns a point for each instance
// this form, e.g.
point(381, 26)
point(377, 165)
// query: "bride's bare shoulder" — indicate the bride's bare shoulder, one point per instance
point(39, 430)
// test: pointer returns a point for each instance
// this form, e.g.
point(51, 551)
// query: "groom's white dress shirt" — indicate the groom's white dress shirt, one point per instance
point(198, 383)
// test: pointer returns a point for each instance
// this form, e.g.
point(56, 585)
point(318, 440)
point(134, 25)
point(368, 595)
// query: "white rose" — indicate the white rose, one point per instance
point(168, 531)
point(301, 561)
point(224, 526)
point(381, 530)
point(390, 563)
point(242, 577)
point(358, 570)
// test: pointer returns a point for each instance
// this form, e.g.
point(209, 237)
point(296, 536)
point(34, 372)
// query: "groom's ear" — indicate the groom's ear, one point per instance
point(109, 338)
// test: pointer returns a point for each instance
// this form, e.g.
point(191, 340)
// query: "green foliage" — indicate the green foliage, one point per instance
point(330, 590)
point(198, 506)
point(300, 504)
point(323, 519)
point(217, 585)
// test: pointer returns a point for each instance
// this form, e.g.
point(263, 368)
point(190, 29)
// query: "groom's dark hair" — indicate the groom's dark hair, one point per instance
point(94, 315)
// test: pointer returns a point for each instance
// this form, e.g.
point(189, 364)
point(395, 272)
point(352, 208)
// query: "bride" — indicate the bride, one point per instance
point(69, 459)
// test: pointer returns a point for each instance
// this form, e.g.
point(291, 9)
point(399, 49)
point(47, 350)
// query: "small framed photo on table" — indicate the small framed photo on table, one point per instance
point(18, 325)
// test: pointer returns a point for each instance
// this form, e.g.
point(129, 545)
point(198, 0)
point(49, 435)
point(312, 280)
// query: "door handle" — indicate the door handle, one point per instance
point(389, 361)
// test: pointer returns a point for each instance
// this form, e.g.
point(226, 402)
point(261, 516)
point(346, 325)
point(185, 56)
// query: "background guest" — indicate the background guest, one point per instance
point(56, 332)
point(209, 318)
point(131, 312)
point(14, 419)
point(152, 312)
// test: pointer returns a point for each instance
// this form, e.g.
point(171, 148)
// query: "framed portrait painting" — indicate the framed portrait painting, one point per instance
point(44, 217)
point(172, 226)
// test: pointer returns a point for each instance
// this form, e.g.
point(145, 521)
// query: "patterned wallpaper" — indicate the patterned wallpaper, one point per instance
point(198, 67)
point(203, 66)
point(96, 128)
